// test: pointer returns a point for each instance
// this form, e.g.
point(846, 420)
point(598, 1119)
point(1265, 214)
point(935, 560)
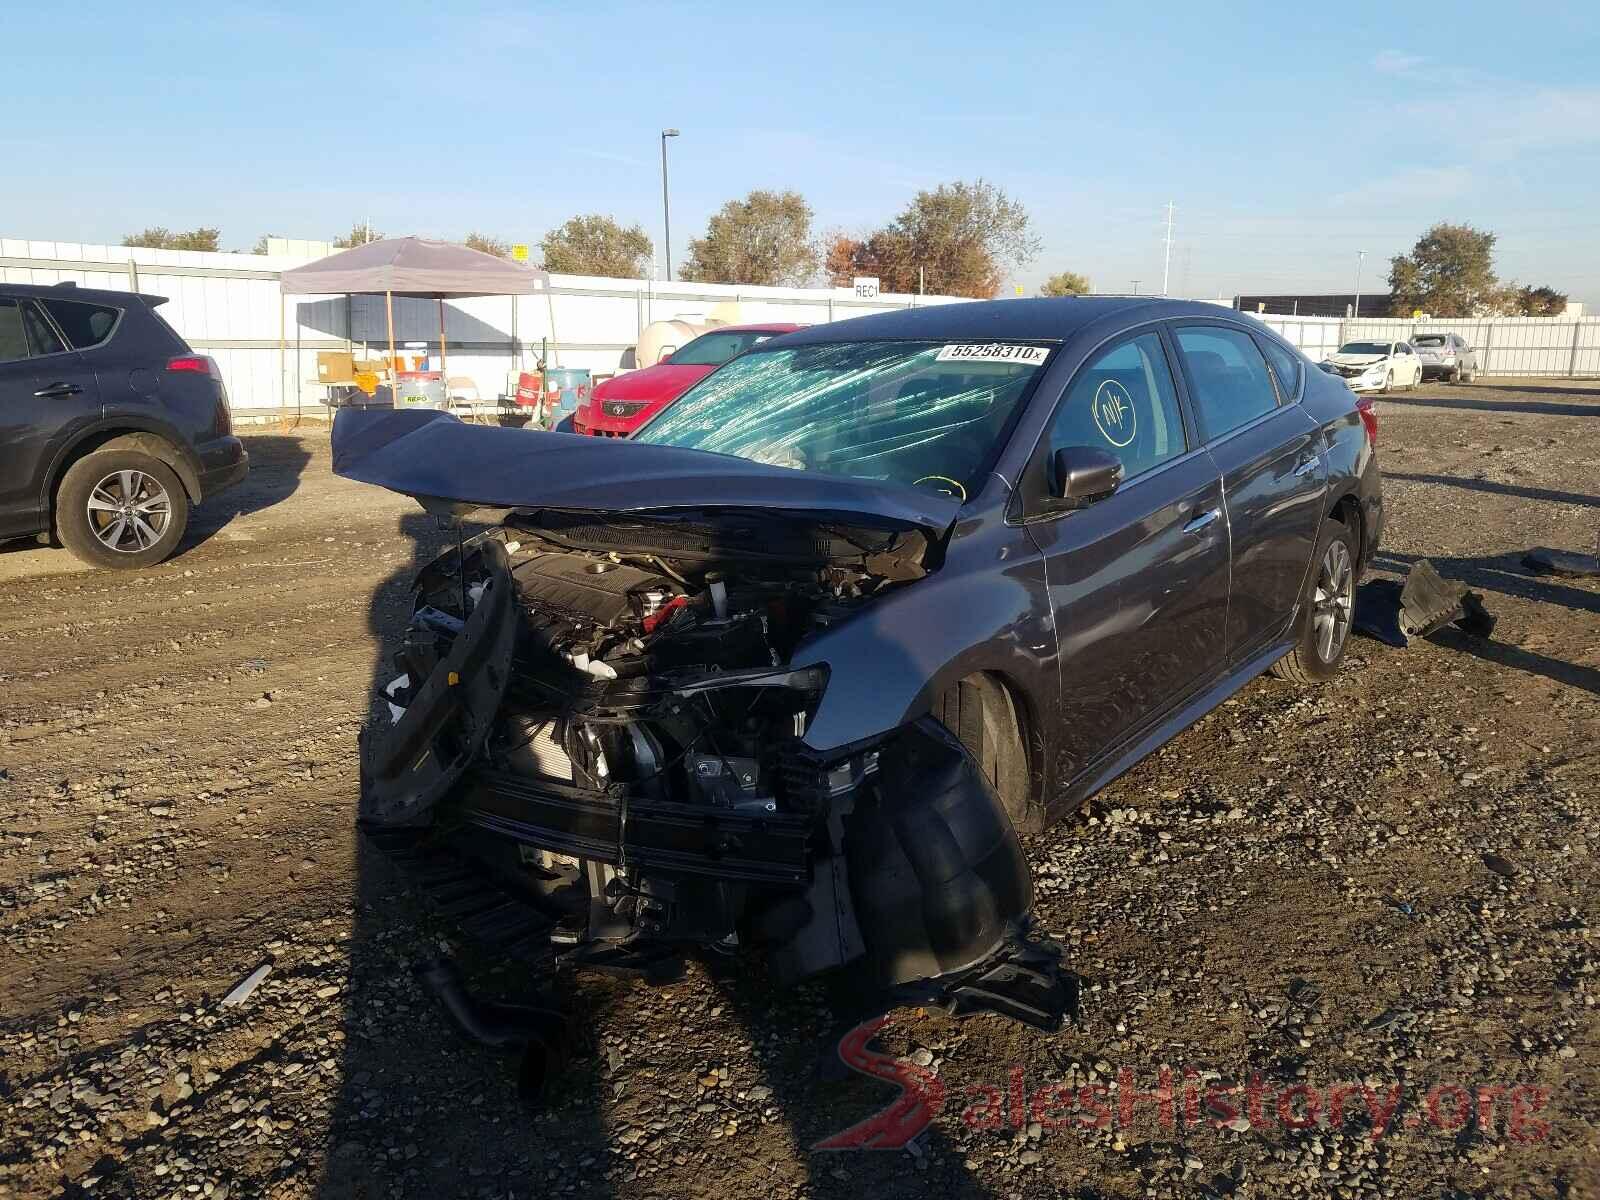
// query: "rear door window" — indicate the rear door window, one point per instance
point(1285, 366)
point(42, 337)
point(1123, 400)
point(13, 342)
point(1228, 378)
point(85, 325)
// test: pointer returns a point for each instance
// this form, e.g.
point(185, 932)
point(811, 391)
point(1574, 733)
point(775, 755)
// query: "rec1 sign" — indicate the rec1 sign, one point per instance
point(519, 252)
point(866, 287)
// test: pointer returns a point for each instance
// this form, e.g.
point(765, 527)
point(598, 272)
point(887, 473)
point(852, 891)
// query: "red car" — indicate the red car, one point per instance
point(619, 406)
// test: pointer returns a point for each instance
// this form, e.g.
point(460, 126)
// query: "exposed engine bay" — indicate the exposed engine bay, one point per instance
point(607, 701)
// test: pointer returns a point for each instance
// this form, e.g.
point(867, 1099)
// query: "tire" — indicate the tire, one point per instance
point(105, 527)
point(1456, 375)
point(1388, 383)
point(981, 714)
point(1320, 644)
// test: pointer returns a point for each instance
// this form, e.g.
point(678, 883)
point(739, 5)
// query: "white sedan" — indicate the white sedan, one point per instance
point(1375, 366)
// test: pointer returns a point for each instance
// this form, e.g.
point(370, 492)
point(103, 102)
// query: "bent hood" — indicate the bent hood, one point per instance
point(445, 464)
point(660, 382)
point(1356, 360)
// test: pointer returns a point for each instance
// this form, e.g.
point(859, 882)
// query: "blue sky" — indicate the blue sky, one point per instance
point(1289, 136)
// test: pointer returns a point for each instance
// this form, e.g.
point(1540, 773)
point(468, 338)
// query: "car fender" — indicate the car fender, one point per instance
point(890, 661)
point(150, 434)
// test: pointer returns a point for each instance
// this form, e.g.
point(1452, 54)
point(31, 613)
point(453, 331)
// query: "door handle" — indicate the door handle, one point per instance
point(59, 389)
point(1203, 520)
point(1307, 465)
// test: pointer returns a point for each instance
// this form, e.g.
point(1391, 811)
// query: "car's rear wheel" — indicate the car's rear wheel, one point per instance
point(121, 508)
point(1388, 382)
point(1326, 609)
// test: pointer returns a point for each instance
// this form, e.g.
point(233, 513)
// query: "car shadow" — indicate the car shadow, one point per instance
point(1498, 489)
point(422, 1112)
point(277, 463)
point(1503, 573)
point(1529, 407)
point(1506, 655)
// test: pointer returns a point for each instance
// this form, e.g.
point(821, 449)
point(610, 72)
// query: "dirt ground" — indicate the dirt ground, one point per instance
point(1378, 897)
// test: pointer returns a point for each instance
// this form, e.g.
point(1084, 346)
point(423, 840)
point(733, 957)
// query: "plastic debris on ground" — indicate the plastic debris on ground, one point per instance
point(246, 986)
point(1393, 613)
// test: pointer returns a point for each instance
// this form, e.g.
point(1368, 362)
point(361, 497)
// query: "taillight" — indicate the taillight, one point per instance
point(1369, 418)
point(202, 364)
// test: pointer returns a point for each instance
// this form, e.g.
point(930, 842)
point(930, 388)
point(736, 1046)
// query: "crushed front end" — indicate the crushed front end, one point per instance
point(603, 706)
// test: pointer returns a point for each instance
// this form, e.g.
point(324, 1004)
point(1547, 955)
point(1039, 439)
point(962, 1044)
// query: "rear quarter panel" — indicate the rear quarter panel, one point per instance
point(1352, 460)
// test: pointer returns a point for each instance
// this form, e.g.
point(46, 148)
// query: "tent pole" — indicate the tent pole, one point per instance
point(443, 370)
point(394, 365)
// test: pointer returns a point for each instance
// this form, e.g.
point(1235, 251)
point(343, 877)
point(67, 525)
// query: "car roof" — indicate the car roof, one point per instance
point(68, 291)
point(1040, 319)
point(756, 327)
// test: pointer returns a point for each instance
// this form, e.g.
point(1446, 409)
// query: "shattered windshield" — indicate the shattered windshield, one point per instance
point(1364, 348)
point(928, 414)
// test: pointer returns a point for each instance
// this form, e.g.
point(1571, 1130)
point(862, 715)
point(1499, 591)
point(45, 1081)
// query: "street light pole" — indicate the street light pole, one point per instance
point(1361, 258)
point(666, 208)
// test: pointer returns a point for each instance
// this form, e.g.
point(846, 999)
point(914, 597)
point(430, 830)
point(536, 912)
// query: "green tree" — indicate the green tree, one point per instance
point(597, 245)
point(160, 238)
point(487, 244)
point(360, 234)
point(1449, 273)
point(956, 240)
point(261, 243)
point(1534, 301)
point(1065, 283)
point(764, 240)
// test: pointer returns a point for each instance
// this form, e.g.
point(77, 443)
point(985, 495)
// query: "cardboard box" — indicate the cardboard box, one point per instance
point(335, 366)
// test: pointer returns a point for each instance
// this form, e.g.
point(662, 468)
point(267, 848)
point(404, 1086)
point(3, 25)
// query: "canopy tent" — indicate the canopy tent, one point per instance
point(414, 267)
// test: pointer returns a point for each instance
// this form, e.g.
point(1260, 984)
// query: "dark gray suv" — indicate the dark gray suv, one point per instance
point(791, 667)
point(110, 426)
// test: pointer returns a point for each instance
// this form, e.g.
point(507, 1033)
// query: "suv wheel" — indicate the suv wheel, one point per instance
point(1326, 609)
point(121, 508)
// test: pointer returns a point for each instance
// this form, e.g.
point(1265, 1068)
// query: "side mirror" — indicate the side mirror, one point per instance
point(1084, 474)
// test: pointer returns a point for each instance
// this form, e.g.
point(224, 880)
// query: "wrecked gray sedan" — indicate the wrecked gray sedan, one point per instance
point(789, 670)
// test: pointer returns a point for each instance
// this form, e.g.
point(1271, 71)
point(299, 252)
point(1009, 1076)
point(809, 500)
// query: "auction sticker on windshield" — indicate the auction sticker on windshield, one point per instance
point(994, 352)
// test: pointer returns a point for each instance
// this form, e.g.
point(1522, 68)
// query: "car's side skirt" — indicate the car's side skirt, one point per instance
point(1108, 767)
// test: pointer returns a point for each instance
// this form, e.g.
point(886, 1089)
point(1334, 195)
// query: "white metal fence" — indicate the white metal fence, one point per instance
point(228, 306)
point(1552, 346)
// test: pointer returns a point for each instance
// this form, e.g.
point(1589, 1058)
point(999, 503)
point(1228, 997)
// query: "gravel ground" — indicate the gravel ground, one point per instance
point(1387, 884)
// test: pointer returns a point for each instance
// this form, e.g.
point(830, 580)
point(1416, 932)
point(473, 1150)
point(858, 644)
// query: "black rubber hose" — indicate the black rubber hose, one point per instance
point(539, 1033)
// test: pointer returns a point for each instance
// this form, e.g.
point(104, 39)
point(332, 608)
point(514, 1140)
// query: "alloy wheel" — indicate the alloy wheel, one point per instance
point(129, 511)
point(1333, 601)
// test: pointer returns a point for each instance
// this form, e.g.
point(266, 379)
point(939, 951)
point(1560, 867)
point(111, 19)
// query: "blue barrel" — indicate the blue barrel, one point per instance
point(571, 385)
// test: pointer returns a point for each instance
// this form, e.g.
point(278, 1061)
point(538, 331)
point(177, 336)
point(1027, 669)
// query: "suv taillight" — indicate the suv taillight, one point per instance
point(202, 364)
point(1369, 418)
